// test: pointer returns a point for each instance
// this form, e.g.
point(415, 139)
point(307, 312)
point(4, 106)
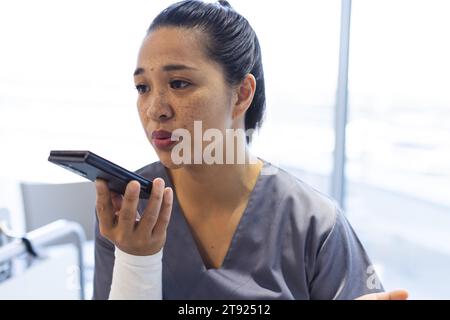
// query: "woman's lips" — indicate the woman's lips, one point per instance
point(161, 134)
point(162, 139)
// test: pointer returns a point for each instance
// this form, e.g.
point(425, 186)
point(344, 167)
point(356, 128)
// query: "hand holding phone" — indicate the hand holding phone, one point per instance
point(118, 193)
point(118, 217)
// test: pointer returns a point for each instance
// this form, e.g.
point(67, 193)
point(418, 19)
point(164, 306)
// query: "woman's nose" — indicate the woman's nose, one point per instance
point(159, 109)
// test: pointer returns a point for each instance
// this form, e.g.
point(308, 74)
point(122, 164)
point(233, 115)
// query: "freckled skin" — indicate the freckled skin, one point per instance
point(208, 98)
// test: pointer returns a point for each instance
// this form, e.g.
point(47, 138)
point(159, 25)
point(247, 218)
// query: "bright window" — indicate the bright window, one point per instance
point(398, 147)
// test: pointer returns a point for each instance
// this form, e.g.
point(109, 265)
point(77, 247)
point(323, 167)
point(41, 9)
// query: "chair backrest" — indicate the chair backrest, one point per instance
point(44, 203)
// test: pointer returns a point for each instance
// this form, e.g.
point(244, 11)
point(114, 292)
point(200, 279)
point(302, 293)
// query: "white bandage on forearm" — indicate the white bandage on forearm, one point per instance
point(136, 277)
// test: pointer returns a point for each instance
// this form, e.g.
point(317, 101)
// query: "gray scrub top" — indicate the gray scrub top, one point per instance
point(292, 242)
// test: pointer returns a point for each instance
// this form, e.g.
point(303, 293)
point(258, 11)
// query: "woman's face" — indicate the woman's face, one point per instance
point(178, 84)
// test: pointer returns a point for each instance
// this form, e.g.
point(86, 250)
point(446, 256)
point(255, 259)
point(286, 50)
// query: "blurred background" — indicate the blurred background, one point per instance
point(66, 83)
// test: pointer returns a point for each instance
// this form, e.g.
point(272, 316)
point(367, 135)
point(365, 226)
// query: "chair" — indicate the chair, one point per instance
point(44, 203)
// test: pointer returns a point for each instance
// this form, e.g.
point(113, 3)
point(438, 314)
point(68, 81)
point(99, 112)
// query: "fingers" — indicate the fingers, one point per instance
point(398, 295)
point(129, 205)
point(164, 215)
point(117, 215)
point(104, 207)
point(151, 212)
point(391, 295)
point(116, 201)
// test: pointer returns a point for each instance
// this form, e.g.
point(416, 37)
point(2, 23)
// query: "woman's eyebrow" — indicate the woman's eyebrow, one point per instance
point(176, 67)
point(138, 71)
point(167, 68)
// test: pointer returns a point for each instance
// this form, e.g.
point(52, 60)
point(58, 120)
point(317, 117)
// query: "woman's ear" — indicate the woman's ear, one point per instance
point(243, 97)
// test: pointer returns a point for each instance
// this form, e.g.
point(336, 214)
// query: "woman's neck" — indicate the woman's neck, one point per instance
point(215, 188)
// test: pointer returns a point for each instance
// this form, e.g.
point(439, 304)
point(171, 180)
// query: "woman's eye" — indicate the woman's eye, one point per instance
point(141, 88)
point(179, 84)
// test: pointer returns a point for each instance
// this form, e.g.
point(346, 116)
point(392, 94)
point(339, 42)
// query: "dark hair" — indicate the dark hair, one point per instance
point(231, 42)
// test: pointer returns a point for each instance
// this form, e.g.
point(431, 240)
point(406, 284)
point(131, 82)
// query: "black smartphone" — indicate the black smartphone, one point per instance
point(91, 166)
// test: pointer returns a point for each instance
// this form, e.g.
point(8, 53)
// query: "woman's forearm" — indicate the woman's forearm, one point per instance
point(136, 277)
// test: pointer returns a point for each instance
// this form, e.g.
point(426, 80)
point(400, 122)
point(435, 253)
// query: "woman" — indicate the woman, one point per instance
point(245, 230)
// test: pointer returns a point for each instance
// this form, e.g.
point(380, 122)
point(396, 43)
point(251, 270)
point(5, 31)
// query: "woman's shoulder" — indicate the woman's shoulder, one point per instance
point(300, 200)
point(152, 171)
